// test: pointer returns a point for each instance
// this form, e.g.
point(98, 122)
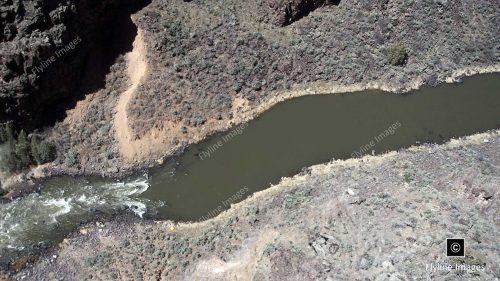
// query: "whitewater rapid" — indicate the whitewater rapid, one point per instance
point(40, 218)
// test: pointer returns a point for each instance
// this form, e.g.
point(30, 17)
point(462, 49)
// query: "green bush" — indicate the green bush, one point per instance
point(21, 152)
point(6, 133)
point(9, 161)
point(41, 150)
point(397, 54)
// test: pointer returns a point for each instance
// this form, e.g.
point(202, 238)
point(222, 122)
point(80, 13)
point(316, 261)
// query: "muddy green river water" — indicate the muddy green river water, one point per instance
point(228, 167)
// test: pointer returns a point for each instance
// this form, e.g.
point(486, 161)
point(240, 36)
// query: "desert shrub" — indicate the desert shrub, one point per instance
point(397, 54)
point(70, 158)
point(8, 159)
point(16, 154)
point(269, 249)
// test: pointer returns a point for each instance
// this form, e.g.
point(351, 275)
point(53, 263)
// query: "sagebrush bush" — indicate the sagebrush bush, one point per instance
point(22, 151)
point(397, 54)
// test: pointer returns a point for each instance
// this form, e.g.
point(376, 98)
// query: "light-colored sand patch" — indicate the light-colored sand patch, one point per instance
point(240, 107)
point(469, 71)
point(136, 69)
point(241, 266)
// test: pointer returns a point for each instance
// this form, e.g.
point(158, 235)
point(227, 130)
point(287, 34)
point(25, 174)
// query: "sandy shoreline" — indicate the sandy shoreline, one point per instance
point(333, 88)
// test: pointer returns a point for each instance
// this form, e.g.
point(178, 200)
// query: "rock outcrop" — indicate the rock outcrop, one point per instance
point(287, 12)
point(50, 53)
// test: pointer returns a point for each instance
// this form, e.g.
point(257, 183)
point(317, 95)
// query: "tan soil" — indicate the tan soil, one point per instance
point(137, 69)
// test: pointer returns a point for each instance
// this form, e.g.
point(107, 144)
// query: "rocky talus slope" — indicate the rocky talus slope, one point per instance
point(377, 218)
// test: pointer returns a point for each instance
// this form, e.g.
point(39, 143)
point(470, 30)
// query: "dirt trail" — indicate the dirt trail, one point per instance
point(137, 69)
point(158, 141)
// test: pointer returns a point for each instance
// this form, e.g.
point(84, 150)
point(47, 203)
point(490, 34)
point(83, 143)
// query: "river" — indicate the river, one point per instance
point(228, 167)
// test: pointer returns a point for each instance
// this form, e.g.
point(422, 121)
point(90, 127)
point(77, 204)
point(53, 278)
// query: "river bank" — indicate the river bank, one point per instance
point(392, 222)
